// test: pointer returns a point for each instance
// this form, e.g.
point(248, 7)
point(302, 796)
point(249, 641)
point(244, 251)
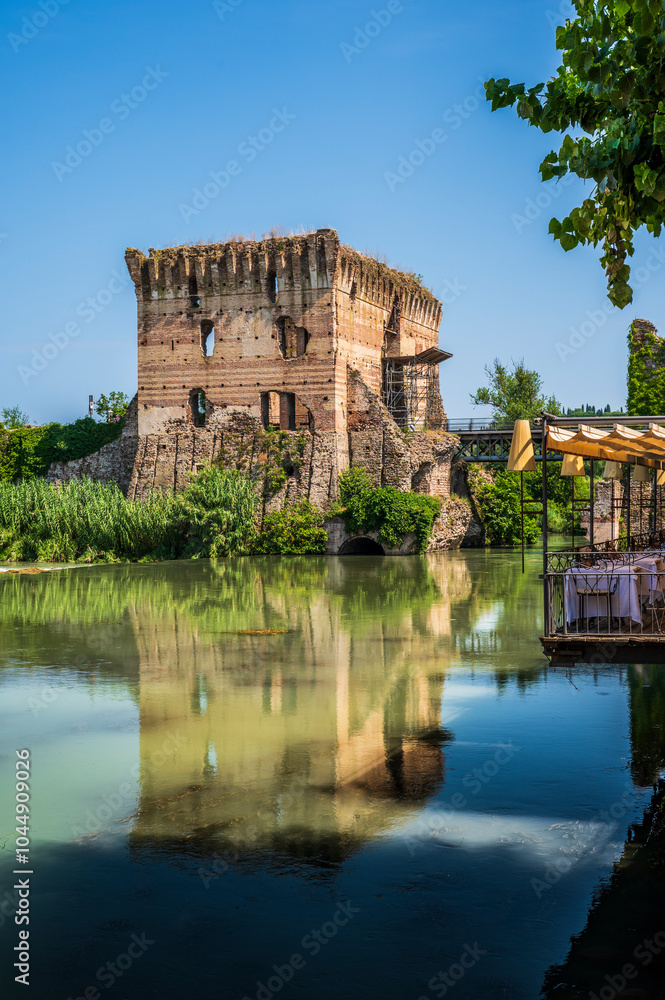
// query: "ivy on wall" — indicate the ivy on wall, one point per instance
point(646, 370)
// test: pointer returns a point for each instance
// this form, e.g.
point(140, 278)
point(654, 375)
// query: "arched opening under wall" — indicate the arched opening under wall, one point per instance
point(207, 338)
point(197, 407)
point(361, 547)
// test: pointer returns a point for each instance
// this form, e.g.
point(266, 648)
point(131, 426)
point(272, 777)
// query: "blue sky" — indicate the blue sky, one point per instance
point(168, 92)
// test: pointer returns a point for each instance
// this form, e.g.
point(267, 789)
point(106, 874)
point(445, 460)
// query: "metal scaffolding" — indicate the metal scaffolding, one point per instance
point(411, 389)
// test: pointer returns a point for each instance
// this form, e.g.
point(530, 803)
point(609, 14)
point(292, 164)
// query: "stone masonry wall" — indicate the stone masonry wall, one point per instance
point(114, 463)
point(309, 462)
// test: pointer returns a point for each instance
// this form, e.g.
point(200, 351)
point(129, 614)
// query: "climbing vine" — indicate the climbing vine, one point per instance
point(646, 372)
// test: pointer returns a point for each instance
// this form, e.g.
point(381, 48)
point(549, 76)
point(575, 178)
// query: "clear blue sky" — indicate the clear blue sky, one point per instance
point(179, 86)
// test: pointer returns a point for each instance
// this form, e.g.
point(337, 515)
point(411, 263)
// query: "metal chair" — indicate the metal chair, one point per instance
point(584, 593)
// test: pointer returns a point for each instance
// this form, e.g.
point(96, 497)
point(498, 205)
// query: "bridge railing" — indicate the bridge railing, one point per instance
point(472, 424)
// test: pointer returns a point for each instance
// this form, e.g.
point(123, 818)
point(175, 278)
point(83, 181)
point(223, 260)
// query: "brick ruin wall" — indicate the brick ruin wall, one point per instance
point(285, 340)
point(241, 322)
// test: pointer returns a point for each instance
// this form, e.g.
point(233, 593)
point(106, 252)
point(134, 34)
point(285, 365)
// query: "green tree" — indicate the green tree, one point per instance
point(14, 418)
point(514, 394)
point(611, 86)
point(112, 407)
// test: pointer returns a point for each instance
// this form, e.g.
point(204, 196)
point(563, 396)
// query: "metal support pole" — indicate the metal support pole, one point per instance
point(629, 524)
point(592, 537)
point(522, 514)
point(546, 616)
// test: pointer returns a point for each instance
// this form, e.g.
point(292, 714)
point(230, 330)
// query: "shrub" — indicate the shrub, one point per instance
point(297, 529)
point(30, 451)
point(388, 511)
point(353, 481)
point(499, 504)
point(217, 512)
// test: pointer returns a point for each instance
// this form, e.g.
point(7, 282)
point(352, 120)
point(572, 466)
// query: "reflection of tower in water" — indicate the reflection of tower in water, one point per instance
point(311, 741)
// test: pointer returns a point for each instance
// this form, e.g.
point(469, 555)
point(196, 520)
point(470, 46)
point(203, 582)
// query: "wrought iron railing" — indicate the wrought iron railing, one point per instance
point(591, 594)
point(458, 424)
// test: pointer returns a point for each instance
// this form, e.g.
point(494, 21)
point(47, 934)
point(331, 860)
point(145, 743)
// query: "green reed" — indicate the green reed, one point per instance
point(93, 522)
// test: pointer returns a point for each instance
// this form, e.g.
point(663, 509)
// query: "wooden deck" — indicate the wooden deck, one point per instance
point(598, 641)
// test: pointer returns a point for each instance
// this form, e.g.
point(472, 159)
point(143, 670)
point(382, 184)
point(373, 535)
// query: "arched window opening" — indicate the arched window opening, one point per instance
point(270, 409)
point(281, 411)
point(272, 286)
point(353, 292)
point(292, 339)
point(207, 338)
point(197, 407)
point(194, 300)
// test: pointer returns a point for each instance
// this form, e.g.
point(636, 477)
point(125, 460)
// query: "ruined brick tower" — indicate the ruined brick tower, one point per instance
point(298, 333)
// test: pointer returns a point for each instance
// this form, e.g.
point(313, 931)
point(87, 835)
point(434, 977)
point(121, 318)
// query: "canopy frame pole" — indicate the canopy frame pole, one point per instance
point(629, 524)
point(546, 615)
point(592, 538)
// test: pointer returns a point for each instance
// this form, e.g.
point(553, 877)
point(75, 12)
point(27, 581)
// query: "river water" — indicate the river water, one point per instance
point(308, 778)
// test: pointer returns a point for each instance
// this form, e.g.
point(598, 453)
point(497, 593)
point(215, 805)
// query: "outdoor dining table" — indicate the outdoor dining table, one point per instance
point(624, 602)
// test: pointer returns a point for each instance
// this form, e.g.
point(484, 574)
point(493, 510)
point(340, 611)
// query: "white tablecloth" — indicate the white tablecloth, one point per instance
point(625, 601)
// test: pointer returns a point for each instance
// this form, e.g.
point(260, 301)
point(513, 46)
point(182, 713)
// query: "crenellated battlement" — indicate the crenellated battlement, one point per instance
point(292, 262)
point(382, 285)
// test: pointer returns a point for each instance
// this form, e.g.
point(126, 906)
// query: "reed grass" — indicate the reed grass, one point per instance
point(85, 521)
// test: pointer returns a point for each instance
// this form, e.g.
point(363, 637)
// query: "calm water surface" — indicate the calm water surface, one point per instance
point(387, 779)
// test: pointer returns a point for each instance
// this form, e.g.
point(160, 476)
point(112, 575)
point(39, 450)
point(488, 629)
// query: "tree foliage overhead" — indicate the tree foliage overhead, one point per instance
point(514, 394)
point(611, 85)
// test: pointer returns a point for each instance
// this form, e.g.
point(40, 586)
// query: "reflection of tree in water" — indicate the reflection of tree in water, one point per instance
point(647, 722)
point(627, 910)
point(495, 614)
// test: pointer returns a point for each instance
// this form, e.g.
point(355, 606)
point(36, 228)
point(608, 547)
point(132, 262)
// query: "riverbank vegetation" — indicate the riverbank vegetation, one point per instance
point(391, 513)
point(496, 497)
point(216, 515)
point(29, 451)
point(91, 522)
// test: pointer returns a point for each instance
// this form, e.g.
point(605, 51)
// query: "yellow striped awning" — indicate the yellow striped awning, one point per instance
point(615, 444)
